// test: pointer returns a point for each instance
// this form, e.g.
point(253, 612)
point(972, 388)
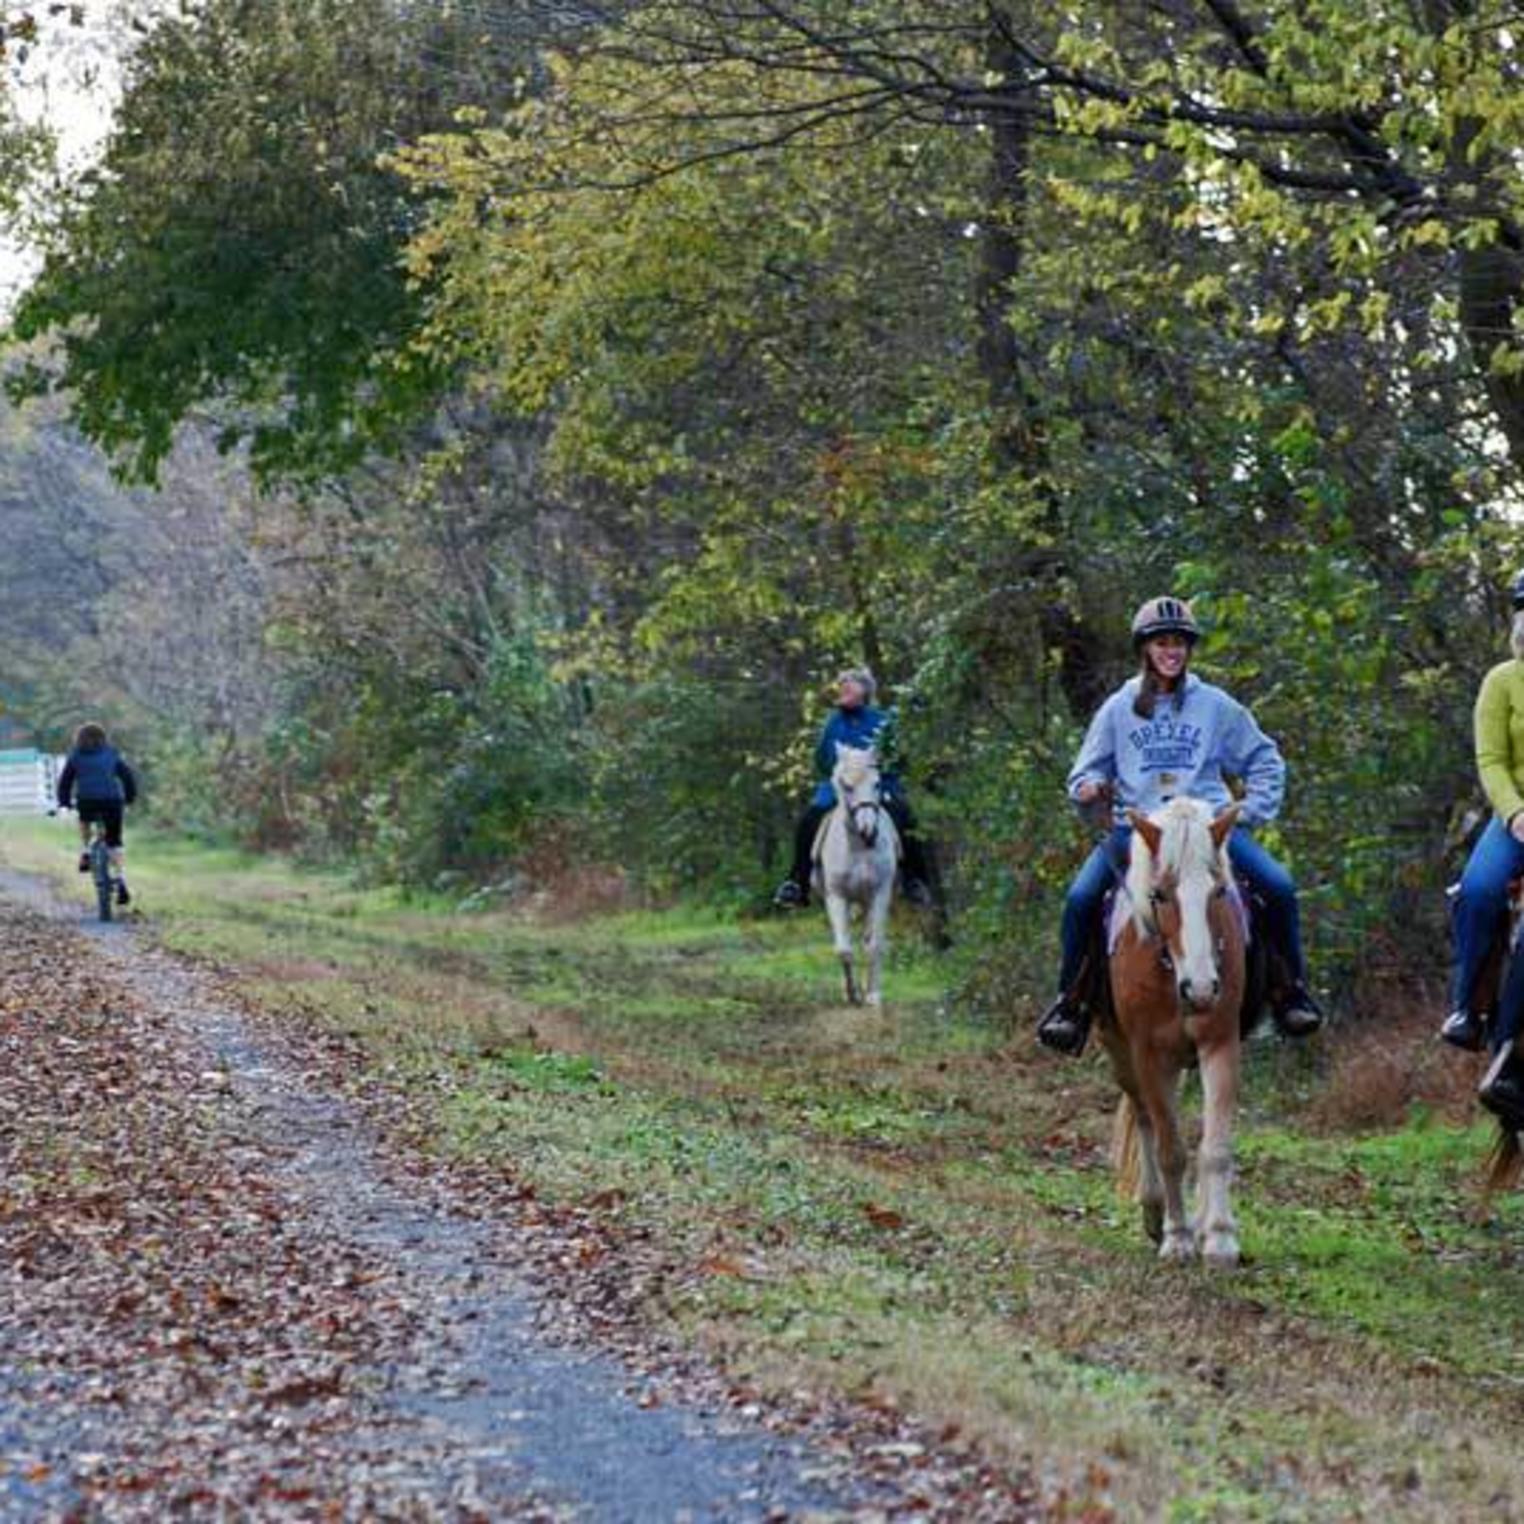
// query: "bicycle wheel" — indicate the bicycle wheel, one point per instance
point(100, 871)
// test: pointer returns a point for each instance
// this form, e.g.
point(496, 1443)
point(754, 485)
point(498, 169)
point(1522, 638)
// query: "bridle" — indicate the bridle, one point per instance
point(855, 808)
point(1160, 899)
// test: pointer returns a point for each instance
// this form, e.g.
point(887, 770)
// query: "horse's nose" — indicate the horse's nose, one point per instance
point(1198, 1002)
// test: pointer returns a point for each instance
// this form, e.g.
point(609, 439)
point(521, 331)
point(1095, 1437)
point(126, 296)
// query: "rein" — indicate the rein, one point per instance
point(854, 806)
point(876, 805)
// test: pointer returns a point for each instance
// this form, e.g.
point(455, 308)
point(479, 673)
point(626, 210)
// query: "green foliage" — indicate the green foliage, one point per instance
point(461, 788)
point(679, 785)
point(430, 786)
point(763, 362)
point(238, 248)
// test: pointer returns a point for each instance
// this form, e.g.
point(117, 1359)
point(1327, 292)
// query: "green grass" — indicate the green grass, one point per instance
point(913, 1202)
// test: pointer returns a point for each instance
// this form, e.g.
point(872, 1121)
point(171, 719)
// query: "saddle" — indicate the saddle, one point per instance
point(1488, 994)
point(817, 851)
point(1266, 976)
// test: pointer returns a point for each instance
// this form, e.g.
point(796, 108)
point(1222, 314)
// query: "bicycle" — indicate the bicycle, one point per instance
point(100, 869)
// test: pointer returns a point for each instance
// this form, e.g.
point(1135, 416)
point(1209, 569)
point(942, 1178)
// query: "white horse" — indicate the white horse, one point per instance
point(856, 859)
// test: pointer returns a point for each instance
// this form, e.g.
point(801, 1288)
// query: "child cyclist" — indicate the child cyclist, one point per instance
point(98, 784)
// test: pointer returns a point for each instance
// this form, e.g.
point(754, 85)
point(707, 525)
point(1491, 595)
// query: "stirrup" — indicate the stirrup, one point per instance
point(1465, 1030)
point(1064, 1027)
point(1301, 1015)
point(1502, 1091)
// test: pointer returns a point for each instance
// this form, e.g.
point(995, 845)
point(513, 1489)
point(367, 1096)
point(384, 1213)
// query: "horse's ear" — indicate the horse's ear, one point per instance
point(1223, 824)
point(1147, 830)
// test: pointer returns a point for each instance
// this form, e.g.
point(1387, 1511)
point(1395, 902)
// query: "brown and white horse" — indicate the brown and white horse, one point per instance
point(1177, 986)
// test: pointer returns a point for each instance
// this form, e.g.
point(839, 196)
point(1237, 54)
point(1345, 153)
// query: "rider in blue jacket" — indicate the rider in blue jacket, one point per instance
point(858, 723)
point(99, 785)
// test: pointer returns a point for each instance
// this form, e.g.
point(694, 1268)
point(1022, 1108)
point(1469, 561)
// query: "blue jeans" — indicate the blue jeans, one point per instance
point(1477, 917)
point(1251, 863)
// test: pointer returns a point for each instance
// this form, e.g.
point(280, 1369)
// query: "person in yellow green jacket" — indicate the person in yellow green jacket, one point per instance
point(1498, 857)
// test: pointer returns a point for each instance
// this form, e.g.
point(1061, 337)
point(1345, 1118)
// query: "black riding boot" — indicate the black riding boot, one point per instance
point(794, 891)
point(1293, 1007)
point(916, 867)
point(1464, 1029)
point(1502, 1088)
point(1297, 1012)
point(1065, 1025)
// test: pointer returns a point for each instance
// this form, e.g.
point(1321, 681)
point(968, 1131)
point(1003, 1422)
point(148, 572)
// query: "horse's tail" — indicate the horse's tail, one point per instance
point(1505, 1162)
point(1124, 1150)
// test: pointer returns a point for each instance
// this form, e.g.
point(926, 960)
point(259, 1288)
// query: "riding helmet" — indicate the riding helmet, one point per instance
point(1164, 616)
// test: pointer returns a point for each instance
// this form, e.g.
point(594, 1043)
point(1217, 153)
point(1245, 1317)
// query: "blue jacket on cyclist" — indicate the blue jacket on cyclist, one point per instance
point(95, 772)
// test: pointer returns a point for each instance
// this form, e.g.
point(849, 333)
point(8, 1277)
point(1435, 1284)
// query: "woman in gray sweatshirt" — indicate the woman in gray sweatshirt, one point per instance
point(1162, 735)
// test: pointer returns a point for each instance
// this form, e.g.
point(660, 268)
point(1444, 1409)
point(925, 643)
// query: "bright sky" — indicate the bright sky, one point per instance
point(69, 83)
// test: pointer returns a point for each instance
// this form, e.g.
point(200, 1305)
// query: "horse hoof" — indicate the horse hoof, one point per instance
point(1178, 1248)
point(1220, 1252)
point(876, 1001)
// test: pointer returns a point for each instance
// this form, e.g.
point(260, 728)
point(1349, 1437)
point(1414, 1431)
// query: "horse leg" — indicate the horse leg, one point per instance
point(1137, 1160)
point(1150, 1179)
point(840, 912)
point(1219, 1086)
point(1158, 1078)
point(878, 938)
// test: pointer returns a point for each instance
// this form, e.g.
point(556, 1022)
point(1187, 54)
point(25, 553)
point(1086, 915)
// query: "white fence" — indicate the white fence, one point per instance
point(28, 781)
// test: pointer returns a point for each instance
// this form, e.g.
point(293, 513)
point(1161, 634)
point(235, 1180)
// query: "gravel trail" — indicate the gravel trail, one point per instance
point(225, 1303)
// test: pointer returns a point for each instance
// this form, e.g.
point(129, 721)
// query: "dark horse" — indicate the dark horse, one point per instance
point(1505, 1162)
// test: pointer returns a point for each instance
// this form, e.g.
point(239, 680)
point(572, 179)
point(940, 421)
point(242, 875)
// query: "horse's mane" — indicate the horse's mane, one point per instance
point(1186, 851)
point(854, 765)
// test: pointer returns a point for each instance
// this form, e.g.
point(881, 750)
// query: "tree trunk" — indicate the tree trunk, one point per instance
point(1020, 443)
point(1491, 291)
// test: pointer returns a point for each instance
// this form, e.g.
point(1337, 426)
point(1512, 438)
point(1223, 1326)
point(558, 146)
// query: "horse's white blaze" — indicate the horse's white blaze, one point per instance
point(1197, 972)
point(865, 821)
point(1186, 853)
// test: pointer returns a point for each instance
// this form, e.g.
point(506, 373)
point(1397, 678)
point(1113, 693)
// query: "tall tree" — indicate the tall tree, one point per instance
point(1373, 130)
point(237, 251)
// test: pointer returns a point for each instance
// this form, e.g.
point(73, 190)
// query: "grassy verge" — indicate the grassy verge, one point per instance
point(915, 1206)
